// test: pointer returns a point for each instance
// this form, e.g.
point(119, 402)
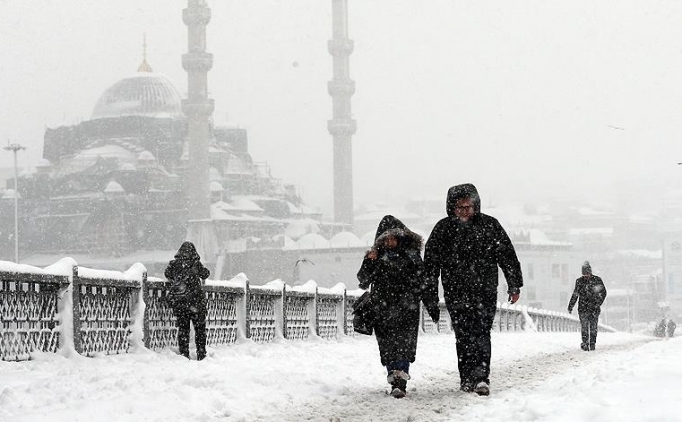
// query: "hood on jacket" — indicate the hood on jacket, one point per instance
point(466, 190)
point(391, 226)
point(188, 252)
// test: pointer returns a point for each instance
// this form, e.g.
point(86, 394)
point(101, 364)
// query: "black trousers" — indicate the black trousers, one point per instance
point(472, 324)
point(588, 329)
point(197, 316)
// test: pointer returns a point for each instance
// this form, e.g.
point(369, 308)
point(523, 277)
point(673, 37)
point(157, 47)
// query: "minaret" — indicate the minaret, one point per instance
point(198, 109)
point(144, 66)
point(342, 126)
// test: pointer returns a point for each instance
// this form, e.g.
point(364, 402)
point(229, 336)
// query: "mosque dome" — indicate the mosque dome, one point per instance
point(146, 156)
point(144, 94)
point(114, 187)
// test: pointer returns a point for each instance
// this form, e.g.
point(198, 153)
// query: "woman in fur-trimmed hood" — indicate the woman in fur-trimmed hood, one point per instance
point(394, 269)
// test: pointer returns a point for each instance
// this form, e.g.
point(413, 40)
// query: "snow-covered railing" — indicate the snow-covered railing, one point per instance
point(514, 318)
point(29, 313)
point(72, 309)
point(104, 306)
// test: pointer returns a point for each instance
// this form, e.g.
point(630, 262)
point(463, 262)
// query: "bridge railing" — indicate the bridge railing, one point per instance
point(68, 308)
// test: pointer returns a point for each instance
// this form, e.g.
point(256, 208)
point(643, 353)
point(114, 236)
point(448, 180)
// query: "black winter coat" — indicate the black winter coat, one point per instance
point(187, 269)
point(397, 283)
point(466, 255)
point(591, 292)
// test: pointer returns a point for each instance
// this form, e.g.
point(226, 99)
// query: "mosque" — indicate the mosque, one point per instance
point(116, 182)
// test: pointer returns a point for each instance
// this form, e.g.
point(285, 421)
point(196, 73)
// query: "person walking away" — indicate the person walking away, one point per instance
point(394, 270)
point(464, 250)
point(590, 293)
point(186, 276)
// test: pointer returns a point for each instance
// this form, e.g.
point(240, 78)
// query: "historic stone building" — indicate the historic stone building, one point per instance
point(117, 183)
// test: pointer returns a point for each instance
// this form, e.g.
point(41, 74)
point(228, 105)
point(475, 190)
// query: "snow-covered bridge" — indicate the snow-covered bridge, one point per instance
point(90, 312)
point(538, 371)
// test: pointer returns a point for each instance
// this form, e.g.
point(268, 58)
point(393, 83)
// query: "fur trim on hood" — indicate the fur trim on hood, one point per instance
point(391, 226)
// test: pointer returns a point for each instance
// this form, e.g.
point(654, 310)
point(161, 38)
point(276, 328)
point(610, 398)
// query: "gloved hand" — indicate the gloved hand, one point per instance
point(570, 310)
point(513, 298)
point(434, 313)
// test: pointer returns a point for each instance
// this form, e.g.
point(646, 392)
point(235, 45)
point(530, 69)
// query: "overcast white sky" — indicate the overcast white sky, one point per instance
point(524, 98)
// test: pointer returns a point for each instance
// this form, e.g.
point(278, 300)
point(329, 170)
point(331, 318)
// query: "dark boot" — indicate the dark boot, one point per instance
point(482, 389)
point(584, 347)
point(398, 380)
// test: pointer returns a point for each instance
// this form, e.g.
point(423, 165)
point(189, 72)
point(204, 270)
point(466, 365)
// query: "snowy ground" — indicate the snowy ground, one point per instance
point(535, 377)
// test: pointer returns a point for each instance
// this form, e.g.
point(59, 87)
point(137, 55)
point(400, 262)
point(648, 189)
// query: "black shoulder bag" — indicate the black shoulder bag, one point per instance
point(364, 314)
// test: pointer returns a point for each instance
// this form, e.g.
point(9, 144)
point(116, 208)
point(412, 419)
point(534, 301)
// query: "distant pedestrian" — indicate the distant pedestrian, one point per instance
point(590, 293)
point(665, 328)
point(464, 250)
point(394, 269)
point(186, 276)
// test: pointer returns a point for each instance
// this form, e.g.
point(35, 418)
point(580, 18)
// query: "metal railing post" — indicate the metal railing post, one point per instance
point(146, 335)
point(75, 303)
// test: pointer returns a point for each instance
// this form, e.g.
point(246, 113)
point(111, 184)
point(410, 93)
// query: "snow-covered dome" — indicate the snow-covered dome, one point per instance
point(88, 157)
point(312, 241)
point(345, 240)
point(113, 187)
point(367, 239)
point(144, 94)
point(146, 156)
point(298, 228)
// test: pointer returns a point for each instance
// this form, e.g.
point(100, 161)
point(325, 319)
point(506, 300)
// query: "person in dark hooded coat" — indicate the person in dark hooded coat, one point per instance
point(186, 275)
point(590, 293)
point(464, 250)
point(393, 267)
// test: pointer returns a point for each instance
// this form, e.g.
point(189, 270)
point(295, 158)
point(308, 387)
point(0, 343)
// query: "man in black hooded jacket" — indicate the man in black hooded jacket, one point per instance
point(590, 293)
point(186, 275)
point(465, 250)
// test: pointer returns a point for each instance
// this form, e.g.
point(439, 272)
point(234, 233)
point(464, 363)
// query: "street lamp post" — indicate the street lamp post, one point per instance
point(15, 148)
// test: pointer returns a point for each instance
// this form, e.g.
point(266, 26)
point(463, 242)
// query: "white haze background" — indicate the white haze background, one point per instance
point(530, 99)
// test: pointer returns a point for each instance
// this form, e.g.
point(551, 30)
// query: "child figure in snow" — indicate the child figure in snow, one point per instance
point(393, 267)
point(186, 275)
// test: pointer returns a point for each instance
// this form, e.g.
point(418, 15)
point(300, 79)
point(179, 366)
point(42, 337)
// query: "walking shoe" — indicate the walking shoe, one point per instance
point(398, 393)
point(591, 346)
point(584, 347)
point(482, 389)
point(467, 387)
